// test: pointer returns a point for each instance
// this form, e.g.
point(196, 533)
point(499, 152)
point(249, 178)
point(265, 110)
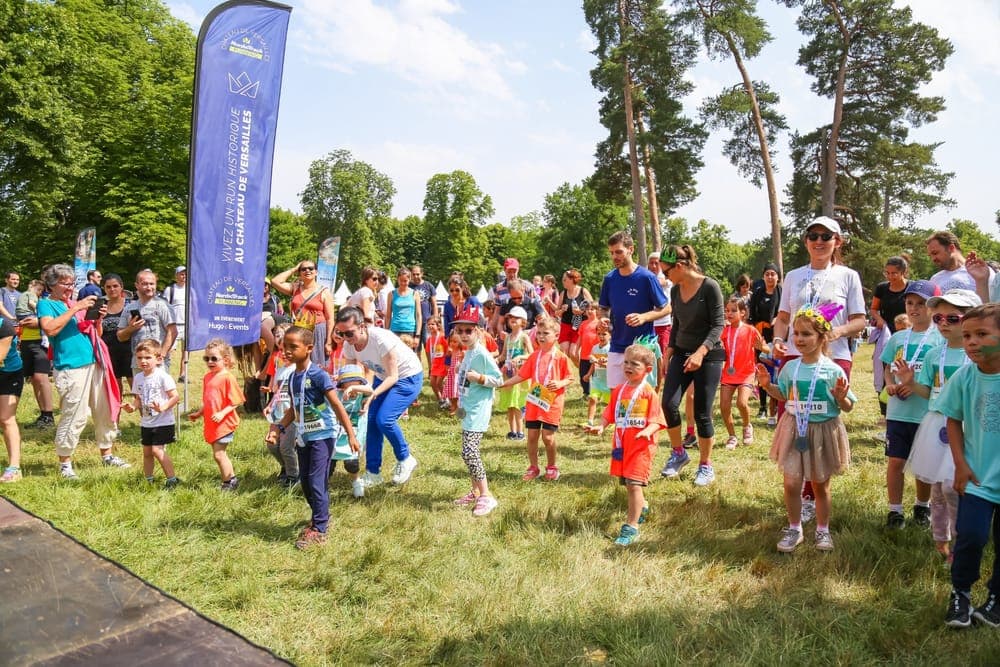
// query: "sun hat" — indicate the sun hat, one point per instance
point(351, 373)
point(518, 311)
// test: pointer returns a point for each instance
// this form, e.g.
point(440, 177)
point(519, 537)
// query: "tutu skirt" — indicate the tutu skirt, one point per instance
point(930, 457)
point(512, 397)
point(828, 454)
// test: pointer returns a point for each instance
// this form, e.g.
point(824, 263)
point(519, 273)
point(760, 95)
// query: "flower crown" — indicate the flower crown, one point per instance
point(822, 314)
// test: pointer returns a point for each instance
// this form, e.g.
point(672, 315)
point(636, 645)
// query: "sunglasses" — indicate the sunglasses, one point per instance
point(307, 268)
point(455, 291)
point(346, 334)
point(208, 359)
point(464, 331)
point(815, 236)
point(950, 319)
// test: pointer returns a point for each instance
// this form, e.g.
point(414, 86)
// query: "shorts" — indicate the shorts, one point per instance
point(35, 358)
point(540, 425)
point(625, 481)
point(11, 384)
point(226, 439)
point(157, 436)
point(352, 466)
point(899, 437)
point(567, 334)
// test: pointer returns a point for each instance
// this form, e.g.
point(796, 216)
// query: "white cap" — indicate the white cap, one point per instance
point(828, 223)
point(518, 311)
point(961, 298)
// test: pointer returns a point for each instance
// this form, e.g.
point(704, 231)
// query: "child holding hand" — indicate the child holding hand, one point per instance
point(635, 412)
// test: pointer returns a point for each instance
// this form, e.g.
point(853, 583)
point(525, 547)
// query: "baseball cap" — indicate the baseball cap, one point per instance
point(962, 298)
point(470, 315)
point(511, 263)
point(924, 288)
point(180, 269)
point(351, 373)
point(518, 311)
point(826, 223)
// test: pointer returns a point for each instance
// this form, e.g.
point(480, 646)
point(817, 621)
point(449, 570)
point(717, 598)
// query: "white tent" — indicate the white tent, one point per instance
point(482, 294)
point(440, 294)
point(342, 294)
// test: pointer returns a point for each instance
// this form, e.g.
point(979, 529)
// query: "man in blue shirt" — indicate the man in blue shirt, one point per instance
point(631, 299)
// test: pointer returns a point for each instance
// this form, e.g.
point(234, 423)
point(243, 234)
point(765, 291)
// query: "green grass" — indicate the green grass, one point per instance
point(408, 578)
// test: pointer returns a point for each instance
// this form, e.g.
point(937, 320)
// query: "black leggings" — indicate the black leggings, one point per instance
point(706, 383)
point(585, 384)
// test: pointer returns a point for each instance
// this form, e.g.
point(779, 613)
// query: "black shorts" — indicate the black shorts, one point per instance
point(11, 384)
point(899, 438)
point(157, 436)
point(35, 358)
point(541, 425)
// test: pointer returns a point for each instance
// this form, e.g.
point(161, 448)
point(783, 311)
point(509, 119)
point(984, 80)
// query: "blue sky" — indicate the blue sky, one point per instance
point(502, 90)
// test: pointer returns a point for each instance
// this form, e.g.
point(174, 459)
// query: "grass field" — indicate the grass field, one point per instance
point(407, 578)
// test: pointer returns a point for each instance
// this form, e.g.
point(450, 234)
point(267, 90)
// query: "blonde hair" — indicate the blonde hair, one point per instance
point(640, 353)
point(546, 324)
point(150, 346)
point(819, 328)
point(225, 351)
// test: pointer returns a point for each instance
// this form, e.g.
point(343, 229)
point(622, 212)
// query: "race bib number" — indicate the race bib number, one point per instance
point(312, 420)
point(437, 352)
point(636, 418)
point(541, 397)
point(815, 408)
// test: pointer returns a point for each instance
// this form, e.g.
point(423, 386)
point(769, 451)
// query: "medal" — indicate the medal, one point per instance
point(802, 410)
point(730, 370)
point(801, 443)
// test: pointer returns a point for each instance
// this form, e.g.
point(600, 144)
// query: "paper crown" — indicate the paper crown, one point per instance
point(471, 315)
point(823, 314)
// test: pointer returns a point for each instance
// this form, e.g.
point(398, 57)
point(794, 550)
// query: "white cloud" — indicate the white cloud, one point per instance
point(973, 26)
point(586, 41)
point(559, 66)
point(412, 40)
point(186, 13)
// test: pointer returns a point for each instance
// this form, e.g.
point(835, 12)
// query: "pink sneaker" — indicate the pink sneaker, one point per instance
point(748, 434)
point(467, 499)
point(531, 473)
point(551, 473)
point(484, 505)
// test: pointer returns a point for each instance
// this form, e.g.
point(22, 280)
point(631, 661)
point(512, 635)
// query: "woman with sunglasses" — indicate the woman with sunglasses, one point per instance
point(459, 299)
point(312, 304)
point(364, 297)
point(824, 279)
point(398, 379)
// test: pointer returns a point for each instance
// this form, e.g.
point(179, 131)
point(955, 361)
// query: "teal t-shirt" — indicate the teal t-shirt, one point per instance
point(70, 348)
point(974, 398)
point(953, 358)
point(794, 380)
point(476, 399)
point(914, 346)
point(342, 447)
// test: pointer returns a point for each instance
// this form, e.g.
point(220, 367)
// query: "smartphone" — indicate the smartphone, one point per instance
point(94, 312)
point(136, 315)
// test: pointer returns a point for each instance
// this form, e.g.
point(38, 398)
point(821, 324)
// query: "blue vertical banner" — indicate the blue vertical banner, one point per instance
point(237, 85)
point(85, 257)
point(326, 264)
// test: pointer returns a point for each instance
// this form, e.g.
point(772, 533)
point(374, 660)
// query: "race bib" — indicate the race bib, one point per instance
point(312, 420)
point(437, 352)
point(814, 408)
point(541, 397)
point(636, 418)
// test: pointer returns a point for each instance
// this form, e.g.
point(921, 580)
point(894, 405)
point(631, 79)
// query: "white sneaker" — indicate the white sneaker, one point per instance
point(358, 488)
point(484, 505)
point(66, 472)
point(731, 442)
point(370, 479)
point(401, 473)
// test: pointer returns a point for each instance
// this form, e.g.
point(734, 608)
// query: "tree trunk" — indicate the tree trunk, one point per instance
point(654, 207)
point(885, 208)
point(828, 172)
point(640, 225)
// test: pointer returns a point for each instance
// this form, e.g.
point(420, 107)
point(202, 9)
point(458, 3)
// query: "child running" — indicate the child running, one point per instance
point(220, 396)
point(548, 370)
point(477, 377)
point(516, 348)
point(739, 340)
point(969, 401)
point(810, 441)
point(313, 395)
point(352, 390)
point(155, 395)
point(437, 347)
point(930, 459)
point(635, 411)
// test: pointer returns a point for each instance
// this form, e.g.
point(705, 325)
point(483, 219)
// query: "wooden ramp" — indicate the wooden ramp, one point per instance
point(63, 604)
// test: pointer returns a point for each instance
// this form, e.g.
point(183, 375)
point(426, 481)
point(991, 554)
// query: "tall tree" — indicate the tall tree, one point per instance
point(657, 54)
point(454, 208)
point(733, 29)
point(872, 60)
point(289, 241)
point(346, 197)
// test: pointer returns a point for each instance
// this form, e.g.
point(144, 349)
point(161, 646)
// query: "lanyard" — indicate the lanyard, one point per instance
point(814, 299)
point(463, 370)
point(731, 344)
point(548, 371)
point(802, 411)
point(916, 355)
point(302, 399)
point(636, 393)
point(941, 361)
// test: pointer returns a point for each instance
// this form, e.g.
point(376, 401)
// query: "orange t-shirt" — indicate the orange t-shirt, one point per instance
point(631, 458)
point(437, 348)
point(739, 345)
point(220, 390)
point(540, 368)
point(588, 337)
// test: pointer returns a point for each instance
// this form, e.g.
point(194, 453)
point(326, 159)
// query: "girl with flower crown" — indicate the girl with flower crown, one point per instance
point(810, 442)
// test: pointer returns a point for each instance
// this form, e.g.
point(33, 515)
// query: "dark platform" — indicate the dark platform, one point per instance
point(63, 604)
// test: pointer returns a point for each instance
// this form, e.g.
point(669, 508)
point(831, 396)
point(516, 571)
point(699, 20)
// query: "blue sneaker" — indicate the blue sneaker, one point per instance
point(704, 476)
point(627, 536)
point(675, 464)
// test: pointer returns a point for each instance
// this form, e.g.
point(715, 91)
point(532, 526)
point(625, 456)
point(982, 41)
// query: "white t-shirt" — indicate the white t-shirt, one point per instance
point(380, 343)
point(836, 284)
point(176, 295)
point(955, 279)
point(666, 320)
point(152, 389)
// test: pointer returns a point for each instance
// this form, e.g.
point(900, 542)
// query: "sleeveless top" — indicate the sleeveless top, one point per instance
point(313, 306)
point(572, 302)
point(404, 308)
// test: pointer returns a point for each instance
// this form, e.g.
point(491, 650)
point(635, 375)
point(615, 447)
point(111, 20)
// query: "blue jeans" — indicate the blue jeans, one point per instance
point(975, 516)
point(314, 469)
point(383, 420)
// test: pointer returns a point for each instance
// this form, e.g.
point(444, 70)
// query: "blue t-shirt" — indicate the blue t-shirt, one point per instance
point(70, 348)
point(12, 363)
point(954, 358)
point(476, 399)
point(90, 289)
point(638, 292)
point(973, 397)
point(823, 406)
point(316, 421)
point(914, 346)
